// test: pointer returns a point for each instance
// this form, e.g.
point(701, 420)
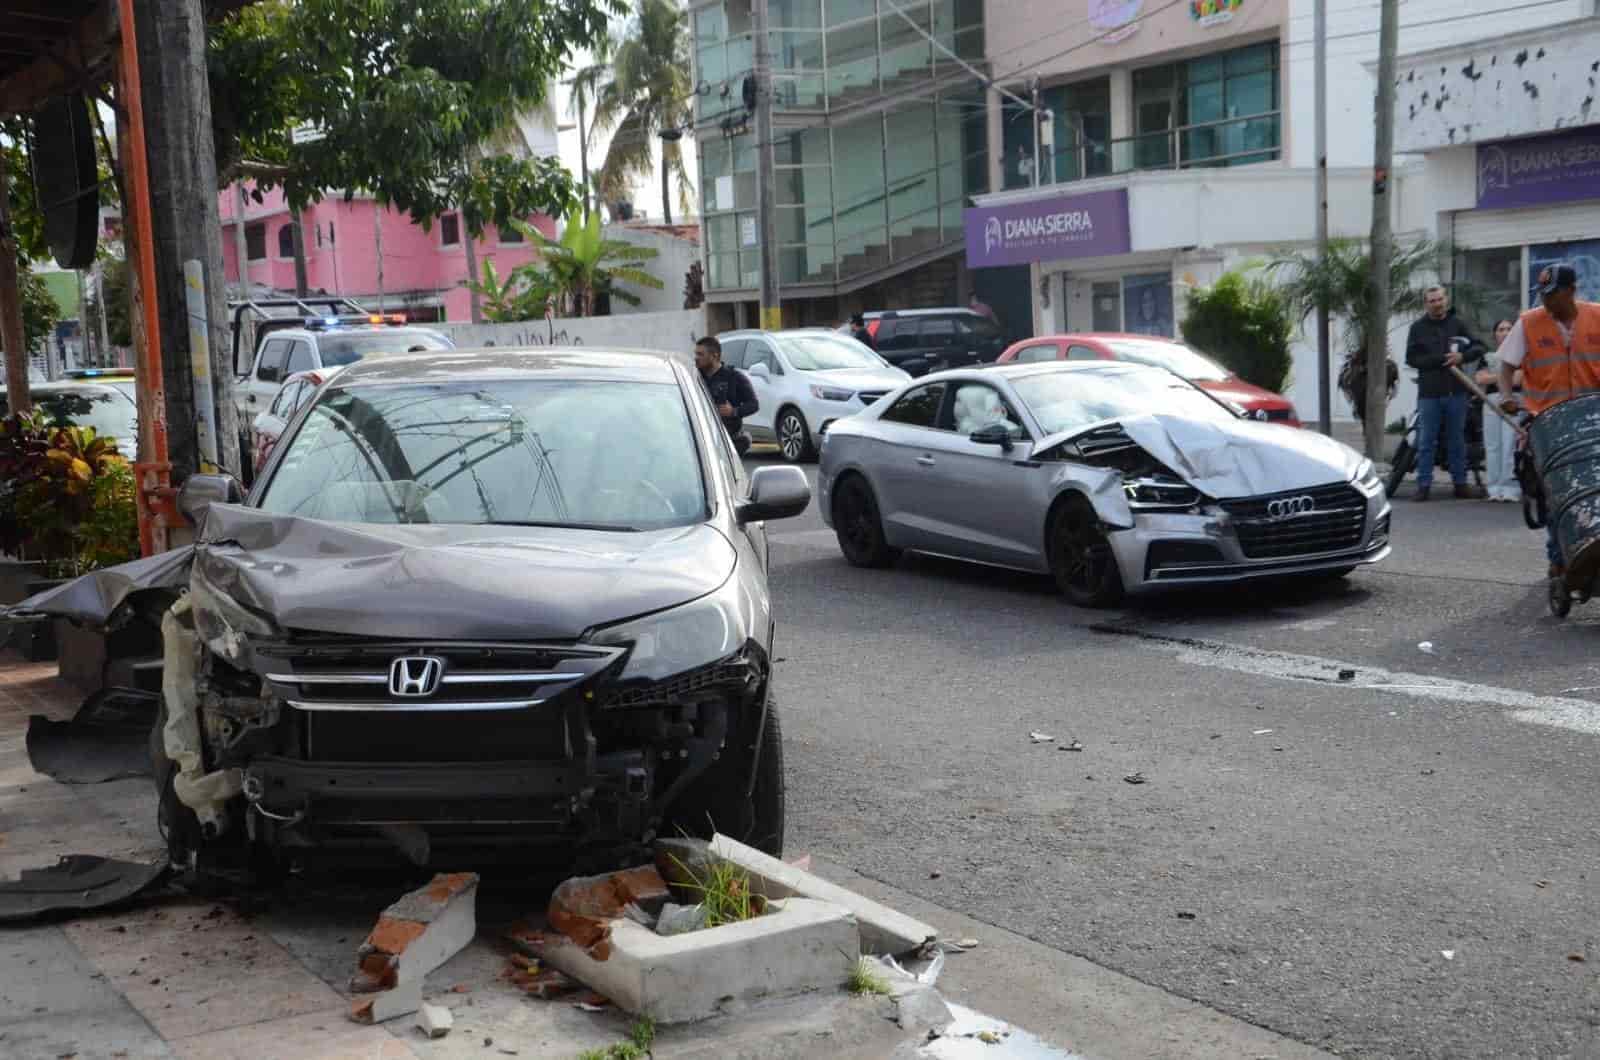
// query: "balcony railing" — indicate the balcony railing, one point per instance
point(1228, 142)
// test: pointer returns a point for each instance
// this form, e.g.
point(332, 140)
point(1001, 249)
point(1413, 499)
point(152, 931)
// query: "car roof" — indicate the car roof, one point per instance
point(890, 314)
point(751, 333)
point(1014, 370)
point(60, 386)
point(1102, 336)
point(544, 362)
point(303, 332)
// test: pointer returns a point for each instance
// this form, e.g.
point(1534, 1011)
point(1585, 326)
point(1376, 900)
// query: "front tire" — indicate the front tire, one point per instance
point(716, 802)
point(858, 525)
point(1405, 458)
point(1081, 557)
point(794, 437)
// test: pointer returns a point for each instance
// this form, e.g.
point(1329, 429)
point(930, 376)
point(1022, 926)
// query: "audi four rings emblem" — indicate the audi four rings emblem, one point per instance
point(415, 675)
point(1284, 507)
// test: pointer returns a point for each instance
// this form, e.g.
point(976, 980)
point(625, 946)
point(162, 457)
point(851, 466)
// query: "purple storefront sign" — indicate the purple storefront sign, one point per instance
point(1540, 169)
point(1091, 225)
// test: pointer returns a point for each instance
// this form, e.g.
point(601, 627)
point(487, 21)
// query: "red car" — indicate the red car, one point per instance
point(1258, 402)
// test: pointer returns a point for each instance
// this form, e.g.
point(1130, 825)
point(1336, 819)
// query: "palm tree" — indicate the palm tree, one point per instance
point(582, 264)
point(1340, 283)
point(648, 94)
point(586, 83)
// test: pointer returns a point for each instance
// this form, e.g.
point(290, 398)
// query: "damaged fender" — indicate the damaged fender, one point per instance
point(92, 600)
point(1103, 488)
point(207, 794)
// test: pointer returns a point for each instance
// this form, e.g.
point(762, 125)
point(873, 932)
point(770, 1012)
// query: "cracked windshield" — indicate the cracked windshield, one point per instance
point(597, 455)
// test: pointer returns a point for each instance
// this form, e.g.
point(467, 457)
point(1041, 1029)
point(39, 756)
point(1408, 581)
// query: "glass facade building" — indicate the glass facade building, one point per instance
point(880, 138)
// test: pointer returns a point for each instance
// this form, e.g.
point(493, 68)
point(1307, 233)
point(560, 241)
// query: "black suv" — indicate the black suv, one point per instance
point(920, 341)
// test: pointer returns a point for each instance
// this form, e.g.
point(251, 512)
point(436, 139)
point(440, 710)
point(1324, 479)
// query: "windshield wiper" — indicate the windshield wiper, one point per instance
point(619, 527)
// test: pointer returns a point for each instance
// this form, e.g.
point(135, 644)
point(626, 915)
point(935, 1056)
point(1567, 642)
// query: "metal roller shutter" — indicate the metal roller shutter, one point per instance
point(1482, 229)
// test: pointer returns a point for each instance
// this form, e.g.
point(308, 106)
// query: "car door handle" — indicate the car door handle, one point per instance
point(925, 460)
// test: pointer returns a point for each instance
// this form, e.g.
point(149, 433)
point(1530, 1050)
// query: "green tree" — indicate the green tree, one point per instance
point(586, 83)
point(648, 94)
point(1339, 284)
point(582, 265)
point(119, 324)
point(1245, 324)
point(403, 95)
point(40, 310)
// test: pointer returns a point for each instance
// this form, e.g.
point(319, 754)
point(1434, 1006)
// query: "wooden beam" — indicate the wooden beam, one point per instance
point(83, 45)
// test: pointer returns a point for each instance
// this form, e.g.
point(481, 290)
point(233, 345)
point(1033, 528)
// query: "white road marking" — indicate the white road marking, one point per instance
point(1561, 712)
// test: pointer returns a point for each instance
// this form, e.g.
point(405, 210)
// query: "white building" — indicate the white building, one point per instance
point(1181, 145)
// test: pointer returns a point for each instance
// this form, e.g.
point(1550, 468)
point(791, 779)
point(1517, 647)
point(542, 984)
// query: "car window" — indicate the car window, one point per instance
point(1083, 353)
point(308, 390)
point(819, 353)
point(283, 404)
point(756, 352)
point(917, 408)
point(270, 370)
point(337, 349)
point(977, 406)
point(511, 452)
point(897, 335)
point(937, 333)
point(1044, 351)
point(722, 448)
point(1172, 356)
point(109, 412)
point(1065, 400)
point(733, 352)
point(300, 359)
point(981, 328)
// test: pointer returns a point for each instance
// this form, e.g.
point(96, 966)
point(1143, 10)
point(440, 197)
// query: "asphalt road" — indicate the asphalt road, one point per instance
point(1398, 862)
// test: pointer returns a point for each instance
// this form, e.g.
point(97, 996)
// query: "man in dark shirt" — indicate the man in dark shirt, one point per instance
point(1438, 342)
point(730, 391)
point(859, 332)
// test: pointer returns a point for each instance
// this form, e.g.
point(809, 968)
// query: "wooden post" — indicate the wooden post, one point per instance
point(1382, 233)
point(11, 333)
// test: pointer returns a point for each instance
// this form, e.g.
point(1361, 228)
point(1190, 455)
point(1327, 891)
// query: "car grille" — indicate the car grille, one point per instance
point(342, 676)
point(869, 396)
point(1334, 522)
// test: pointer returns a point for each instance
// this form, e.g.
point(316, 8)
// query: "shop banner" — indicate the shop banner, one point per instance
point(1560, 167)
point(1091, 225)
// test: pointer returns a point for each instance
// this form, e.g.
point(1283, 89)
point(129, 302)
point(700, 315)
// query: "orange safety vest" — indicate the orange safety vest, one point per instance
point(1552, 373)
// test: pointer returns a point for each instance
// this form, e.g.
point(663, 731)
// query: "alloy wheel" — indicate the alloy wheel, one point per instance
point(793, 439)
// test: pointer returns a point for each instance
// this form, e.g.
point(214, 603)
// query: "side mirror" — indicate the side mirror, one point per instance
point(200, 492)
point(775, 493)
point(760, 371)
point(994, 434)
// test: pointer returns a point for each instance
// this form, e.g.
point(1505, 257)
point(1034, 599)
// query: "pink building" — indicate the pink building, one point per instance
point(422, 272)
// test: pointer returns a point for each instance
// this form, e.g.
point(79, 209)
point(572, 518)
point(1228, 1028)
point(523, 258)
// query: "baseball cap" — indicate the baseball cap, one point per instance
point(1555, 277)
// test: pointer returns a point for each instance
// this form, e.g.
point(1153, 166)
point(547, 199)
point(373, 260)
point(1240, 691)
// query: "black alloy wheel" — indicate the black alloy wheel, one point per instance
point(858, 526)
point(1081, 557)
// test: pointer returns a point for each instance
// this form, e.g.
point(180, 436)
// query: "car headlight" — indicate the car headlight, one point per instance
point(1159, 493)
point(1367, 478)
point(832, 393)
point(680, 638)
point(224, 623)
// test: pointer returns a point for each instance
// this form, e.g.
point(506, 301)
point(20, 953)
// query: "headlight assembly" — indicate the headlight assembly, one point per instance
point(681, 638)
point(832, 393)
point(1367, 479)
point(1148, 493)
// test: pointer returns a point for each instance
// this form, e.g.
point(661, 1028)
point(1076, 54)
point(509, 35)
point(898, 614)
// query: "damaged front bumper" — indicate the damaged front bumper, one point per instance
point(1233, 541)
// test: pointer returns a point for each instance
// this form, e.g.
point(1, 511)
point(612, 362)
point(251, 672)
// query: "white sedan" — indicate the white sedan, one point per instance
point(804, 380)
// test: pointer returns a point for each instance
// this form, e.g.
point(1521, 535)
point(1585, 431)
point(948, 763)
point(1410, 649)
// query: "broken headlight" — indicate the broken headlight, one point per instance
point(681, 638)
point(1367, 480)
point(1148, 493)
point(223, 623)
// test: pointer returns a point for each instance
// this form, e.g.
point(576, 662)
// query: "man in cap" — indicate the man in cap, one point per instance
point(1557, 346)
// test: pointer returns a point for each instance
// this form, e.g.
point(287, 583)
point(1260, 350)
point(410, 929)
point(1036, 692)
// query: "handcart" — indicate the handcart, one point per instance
point(1559, 468)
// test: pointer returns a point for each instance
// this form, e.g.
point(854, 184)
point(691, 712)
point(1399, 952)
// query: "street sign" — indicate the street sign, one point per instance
point(307, 133)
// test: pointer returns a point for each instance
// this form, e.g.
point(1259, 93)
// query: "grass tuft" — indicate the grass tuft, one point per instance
point(863, 980)
point(724, 889)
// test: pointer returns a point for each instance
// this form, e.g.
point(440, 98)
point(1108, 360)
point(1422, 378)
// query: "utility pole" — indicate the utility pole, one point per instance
point(11, 334)
point(766, 184)
point(185, 224)
point(297, 237)
point(1324, 357)
point(100, 304)
point(241, 246)
point(1382, 234)
point(1034, 117)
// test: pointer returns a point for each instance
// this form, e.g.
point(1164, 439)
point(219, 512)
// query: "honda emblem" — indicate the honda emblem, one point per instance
point(414, 676)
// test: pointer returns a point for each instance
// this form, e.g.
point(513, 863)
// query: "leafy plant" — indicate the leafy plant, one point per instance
point(1244, 323)
point(67, 498)
point(863, 980)
point(523, 295)
point(582, 264)
point(648, 94)
point(641, 1039)
point(724, 890)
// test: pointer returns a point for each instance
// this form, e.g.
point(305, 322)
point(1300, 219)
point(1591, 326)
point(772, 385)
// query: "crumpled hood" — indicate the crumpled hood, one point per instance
point(453, 582)
point(1235, 458)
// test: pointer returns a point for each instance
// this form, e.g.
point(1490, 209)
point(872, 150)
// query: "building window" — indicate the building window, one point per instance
point(1495, 276)
point(286, 241)
point(509, 234)
point(255, 242)
point(449, 230)
point(1217, 110)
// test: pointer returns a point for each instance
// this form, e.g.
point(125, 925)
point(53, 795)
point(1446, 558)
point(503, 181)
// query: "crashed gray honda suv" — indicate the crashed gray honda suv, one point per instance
point(477, 604)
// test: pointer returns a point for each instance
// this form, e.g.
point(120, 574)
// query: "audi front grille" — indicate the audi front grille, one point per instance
point(1299, 522)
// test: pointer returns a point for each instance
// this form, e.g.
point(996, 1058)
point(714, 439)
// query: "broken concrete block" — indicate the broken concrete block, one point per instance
point(676, 919)
point(584, 907)
point(418, 933)
point(882, 929)
point(798, 946)
point(401, 1000)
point(435, 1020)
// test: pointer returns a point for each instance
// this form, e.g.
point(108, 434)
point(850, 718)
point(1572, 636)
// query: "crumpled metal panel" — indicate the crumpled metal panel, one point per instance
point(78, 883)
point(92, 599)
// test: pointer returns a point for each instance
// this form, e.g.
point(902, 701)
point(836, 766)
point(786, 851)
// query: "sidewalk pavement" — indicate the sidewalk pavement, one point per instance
point(197, 980)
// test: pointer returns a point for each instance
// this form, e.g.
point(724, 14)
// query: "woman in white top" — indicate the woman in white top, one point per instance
point(1499, 440)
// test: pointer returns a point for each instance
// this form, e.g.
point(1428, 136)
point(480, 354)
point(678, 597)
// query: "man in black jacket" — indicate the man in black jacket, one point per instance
point(1438, 342)
point(730, 391)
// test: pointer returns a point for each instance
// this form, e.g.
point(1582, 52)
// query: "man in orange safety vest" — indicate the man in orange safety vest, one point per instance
point(1557, 346)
